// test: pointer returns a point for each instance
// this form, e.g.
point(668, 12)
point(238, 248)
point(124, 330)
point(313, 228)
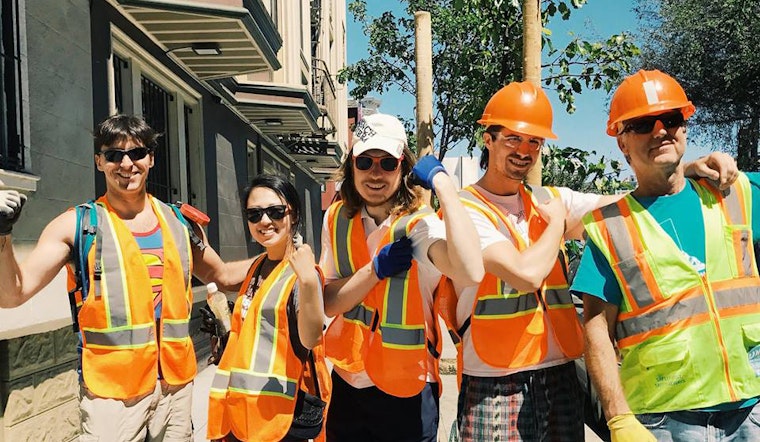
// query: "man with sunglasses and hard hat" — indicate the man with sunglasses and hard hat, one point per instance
point(131, 290)
point(383, 255)
point(670, 284)
point(518, 332)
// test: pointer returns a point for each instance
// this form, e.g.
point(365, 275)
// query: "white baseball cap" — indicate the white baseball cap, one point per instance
point(380, 131)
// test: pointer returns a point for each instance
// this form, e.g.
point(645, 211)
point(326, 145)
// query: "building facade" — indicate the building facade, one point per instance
point(236, 87)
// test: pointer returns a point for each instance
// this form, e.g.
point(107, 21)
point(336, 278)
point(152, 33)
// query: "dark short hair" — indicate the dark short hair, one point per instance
point(120, 128)
point(281, 187)
point(494, 132)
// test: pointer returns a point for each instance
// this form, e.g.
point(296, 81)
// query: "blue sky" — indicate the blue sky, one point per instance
point(596, 20)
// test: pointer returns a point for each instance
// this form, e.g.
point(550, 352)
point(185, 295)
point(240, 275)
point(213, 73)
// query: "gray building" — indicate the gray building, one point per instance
point(237, 87)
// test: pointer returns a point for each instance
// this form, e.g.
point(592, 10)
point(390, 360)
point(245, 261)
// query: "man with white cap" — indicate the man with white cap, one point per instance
point(383, 255)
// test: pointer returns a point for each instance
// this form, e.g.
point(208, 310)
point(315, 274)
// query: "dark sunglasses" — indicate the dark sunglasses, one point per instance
point(116, 155)
point(388, 164)
point(646, 124)
point(274, 213)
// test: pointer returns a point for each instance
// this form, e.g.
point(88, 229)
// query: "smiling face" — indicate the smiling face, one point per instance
point(660, 149)
point(511, 155)
point(375, 185)
point(126, 176)
point(273, 234)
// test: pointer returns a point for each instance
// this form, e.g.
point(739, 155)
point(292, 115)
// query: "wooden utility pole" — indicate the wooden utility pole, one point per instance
point(423, 55)
point(532, 63)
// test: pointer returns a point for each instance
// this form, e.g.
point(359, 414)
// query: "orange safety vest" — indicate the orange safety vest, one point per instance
point(385, 334)
point(508, 327)
point(117, 320)
point(687, 340)
point(254, 389)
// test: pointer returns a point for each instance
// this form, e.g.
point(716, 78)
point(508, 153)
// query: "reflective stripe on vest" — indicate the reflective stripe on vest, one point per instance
point(254, 388)
point(396, 331)
point(108, 268)
point(498, 307)
point(385, 333)
point(686, 339)
point(117, 319)
point(259, 378)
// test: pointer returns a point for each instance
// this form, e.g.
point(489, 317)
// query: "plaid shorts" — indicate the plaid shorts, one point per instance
point(535, 405)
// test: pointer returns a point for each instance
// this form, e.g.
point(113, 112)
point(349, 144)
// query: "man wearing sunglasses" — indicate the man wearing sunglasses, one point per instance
point(669, 277)
point(519, 330)
point(137, 360)
point(383, 255)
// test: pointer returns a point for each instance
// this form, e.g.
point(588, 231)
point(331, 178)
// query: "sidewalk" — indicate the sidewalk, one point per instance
point(448, 403)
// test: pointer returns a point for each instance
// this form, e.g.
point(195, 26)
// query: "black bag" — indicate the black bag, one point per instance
point(309, 412)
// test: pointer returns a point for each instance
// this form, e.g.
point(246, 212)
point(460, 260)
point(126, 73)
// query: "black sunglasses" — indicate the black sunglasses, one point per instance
point(388, 164)
point(134, 154)
point(646, 124)
point(274, 213)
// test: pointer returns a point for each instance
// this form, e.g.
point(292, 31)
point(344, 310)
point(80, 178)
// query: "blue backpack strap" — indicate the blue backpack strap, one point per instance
point(86, 228)
point(194, 238)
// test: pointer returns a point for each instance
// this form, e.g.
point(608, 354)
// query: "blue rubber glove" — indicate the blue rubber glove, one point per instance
point(425, 169)
point(394, 258)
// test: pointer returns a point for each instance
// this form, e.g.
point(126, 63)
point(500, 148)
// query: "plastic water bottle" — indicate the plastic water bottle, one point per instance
point(218, 303)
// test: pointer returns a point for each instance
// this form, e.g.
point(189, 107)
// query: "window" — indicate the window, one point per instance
point(13, 149)
point(155, 111)
point(144, 87)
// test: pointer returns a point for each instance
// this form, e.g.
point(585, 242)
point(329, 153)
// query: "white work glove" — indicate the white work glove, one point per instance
point(11, 203)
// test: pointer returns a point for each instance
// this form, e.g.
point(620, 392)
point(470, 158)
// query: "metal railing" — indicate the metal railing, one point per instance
point(323, 90)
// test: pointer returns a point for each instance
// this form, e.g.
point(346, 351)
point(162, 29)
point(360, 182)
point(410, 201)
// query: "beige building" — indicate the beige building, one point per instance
point(237, 87)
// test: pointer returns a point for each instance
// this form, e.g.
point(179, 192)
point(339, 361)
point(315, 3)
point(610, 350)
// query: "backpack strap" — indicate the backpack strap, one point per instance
point(84, 235)
point(194, 238)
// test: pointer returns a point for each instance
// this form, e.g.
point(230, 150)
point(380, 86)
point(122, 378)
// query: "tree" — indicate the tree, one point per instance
point(572, 167)
point(477, 49)
point(711, 48)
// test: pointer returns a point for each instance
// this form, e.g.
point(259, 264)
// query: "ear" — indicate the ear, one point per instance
point(621, 145)
point(99, 162)
point(152, 159)
point(487, 140)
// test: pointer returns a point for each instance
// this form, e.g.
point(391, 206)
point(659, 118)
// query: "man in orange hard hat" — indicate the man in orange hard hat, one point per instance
point(518, 328)
point(669, 276)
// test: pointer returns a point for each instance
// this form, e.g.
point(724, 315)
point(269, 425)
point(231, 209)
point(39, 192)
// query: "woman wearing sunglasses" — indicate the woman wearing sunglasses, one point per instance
point(274, 349)
point(383, 254)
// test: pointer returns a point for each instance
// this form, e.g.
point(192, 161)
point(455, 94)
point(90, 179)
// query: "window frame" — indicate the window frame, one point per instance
point(14, 92)
point(183, 131)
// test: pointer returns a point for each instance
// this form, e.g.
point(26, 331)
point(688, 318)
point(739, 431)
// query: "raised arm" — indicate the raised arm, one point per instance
point(311, 311)
point(19, 282)
point(459, 256)
point(717, 166)
point(208, 266)
point(527, 270)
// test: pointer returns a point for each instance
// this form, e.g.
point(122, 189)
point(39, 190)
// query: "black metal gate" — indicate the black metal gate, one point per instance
point(155, 110)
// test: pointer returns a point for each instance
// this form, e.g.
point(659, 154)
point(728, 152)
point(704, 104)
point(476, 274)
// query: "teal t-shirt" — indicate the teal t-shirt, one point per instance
point(595, 277)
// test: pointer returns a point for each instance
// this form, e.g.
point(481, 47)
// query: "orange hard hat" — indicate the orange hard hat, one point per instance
point(521, 107)
point(646, 93)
